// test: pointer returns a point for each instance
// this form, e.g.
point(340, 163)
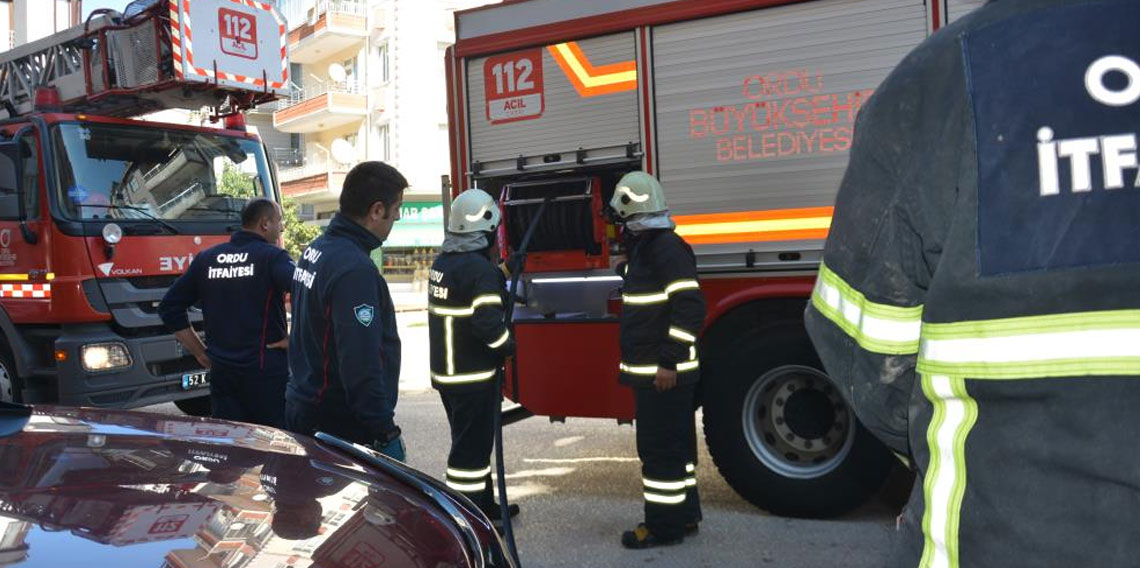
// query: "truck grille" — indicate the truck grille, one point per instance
point(185, 364)
point(151, 282)
point(133, 302)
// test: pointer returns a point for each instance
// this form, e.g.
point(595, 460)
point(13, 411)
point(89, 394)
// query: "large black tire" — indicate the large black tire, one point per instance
point(778, 429)
point(197, 406)
point(11, 387)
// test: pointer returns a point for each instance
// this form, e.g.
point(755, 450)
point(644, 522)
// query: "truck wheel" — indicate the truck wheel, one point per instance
point(781, 434)
point(10, 384)
point(197, 406)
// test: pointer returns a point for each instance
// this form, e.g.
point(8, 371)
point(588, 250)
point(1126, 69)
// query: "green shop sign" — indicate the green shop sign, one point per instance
point(420, 225)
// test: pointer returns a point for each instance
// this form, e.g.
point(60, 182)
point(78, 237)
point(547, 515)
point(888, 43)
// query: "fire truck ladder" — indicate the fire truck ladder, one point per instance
point(54, 61)
point(128, 66)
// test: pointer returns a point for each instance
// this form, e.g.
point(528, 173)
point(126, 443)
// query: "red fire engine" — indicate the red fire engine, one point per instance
point(100, 212)
point(745, 110)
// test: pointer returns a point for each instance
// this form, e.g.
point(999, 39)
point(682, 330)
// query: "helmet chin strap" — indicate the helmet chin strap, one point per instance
point(648, 221)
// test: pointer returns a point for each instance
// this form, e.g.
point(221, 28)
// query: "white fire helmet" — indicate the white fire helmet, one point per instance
point(473, 211)
point(638, 192)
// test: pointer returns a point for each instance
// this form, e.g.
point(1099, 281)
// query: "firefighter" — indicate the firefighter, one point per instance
point(241, 287)
point(345, 349)
point(469, 341)
point(977, 300)
point(662, 313)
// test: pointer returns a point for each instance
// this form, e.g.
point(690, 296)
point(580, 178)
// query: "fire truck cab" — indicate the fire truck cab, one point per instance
point(100, 211)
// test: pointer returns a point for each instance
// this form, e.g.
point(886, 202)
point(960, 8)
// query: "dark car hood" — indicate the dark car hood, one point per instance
point(93, 488)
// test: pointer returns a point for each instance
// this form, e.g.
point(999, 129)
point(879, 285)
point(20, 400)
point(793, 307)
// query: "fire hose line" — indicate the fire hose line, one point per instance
point(519, 260)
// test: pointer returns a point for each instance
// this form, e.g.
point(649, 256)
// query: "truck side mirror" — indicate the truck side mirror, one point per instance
point(12, 201)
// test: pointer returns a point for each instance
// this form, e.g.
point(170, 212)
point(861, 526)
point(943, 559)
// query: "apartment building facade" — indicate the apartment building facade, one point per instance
point(22, 21)
point(368, 85)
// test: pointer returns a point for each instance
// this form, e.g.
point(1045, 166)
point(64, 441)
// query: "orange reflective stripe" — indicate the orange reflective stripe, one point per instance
point(747, 226)
point(592, 81)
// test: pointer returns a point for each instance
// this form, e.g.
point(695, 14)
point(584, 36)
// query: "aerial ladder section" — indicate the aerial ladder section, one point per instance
point(228, 55)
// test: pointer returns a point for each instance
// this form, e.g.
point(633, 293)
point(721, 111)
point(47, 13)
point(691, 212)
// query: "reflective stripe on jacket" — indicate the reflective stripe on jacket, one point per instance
point(662, 309)
point(465, 321)
point(978, 299)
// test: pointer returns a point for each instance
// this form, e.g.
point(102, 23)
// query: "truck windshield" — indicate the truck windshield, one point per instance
point(145, 172)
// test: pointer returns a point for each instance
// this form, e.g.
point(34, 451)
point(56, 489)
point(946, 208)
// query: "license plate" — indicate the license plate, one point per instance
point(195, 380)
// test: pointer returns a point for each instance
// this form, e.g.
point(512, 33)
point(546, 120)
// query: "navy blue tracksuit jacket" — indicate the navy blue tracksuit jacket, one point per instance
point(344, 348)
point(241, 286)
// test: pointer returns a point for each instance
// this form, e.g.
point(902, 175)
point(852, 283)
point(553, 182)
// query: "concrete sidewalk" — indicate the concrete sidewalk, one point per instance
point(411, 318)
point(407, 298)
point(415, 369)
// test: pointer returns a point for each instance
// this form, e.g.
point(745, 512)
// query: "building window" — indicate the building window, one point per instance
point(385, 143)
point(349, 72)
point(382, 52)
point(307, 212)
point(296, 75)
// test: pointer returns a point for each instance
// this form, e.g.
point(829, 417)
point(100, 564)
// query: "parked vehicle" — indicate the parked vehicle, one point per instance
point(745, 111)
point(101, 211)
point(91, 487)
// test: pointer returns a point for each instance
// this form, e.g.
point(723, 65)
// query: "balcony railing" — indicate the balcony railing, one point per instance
point(354, 7)
point(312, 167)
point(295, 12)
point(288, 157)
point(301, 94)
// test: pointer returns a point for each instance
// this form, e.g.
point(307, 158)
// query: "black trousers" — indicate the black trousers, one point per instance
point(332, 416)
point(667, 446)
point(247, 396)
point(470, 416)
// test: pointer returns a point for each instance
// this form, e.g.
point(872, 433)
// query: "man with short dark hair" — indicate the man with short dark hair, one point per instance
point(346, 350)
point(241, 286)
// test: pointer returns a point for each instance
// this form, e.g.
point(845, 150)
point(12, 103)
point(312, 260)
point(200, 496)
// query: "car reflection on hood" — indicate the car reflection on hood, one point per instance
point(95, 488)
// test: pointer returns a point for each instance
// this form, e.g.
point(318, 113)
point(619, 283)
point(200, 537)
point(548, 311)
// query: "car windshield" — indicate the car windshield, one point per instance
point(148, 172)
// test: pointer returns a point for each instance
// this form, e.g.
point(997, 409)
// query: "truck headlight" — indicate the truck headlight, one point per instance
point(105, 356)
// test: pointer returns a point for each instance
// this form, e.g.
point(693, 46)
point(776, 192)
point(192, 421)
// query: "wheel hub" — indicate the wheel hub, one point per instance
point(7, 385)
point(797, 423)
point(808, 413)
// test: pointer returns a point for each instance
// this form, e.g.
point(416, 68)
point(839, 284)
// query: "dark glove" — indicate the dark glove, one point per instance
point(391, 445)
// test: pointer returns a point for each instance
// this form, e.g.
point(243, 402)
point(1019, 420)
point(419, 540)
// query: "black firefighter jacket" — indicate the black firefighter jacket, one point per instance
point(469, 338)
point(662, 310)
point(978, 299)
point(241, 287)
point(344, 348)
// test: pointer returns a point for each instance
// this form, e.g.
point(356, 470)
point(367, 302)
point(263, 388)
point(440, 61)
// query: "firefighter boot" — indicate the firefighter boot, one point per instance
point(495, 513)
point(640, 538)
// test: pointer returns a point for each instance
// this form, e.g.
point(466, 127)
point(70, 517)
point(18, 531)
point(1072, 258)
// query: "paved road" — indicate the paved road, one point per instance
point(579, 486)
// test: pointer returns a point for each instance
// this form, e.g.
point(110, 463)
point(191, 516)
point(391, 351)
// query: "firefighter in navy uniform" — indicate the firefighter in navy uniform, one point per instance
point(345, 348)
point(241, 287)
point(662, 313)
point(469, 341)
point(978, 298)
